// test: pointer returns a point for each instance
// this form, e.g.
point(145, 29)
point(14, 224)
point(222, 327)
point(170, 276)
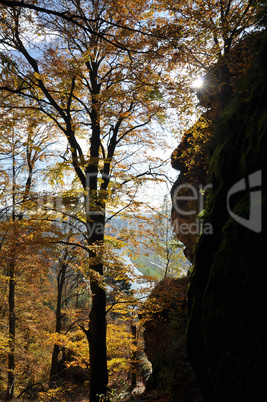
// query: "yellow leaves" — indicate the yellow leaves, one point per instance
point(4, 345)
point(38, 76)
point(124, 115)
point(167, 298)
point(191, 152)
point(74, 341)
point(57, 394)
point(57, 339)
point(119, 346)
point(59, 172)
point(114, 242)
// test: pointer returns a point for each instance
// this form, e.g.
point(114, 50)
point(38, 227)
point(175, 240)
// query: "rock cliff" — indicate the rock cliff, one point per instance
point(192, 156)
point(226, 337)
point(188, 190)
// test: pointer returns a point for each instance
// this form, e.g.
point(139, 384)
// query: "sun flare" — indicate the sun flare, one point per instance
point(198, 82)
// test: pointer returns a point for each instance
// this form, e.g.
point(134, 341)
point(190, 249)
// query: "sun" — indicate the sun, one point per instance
point(198, 82)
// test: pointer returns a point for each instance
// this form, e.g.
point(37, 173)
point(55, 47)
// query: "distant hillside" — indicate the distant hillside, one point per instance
point(146, 247)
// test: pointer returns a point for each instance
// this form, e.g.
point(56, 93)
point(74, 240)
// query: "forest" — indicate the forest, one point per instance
point(95, 95)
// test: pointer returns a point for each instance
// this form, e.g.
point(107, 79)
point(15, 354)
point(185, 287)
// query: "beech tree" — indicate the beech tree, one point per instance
point(22, 148)
point(97, 82)
point(213, 26)
point(25, 315)
point(213, 30)
point(71, 303)
point(61, 277)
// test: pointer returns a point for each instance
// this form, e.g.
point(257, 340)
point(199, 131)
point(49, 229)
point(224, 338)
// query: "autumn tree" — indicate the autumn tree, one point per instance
point(71, 306)
point(60, 279)
point(211, 31)
point(214, 27)
point(32, 292)
point(22, 148)
point(99, 80)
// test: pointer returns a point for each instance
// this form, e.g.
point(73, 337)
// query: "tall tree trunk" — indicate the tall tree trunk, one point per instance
point(134, 357)
point(12, 332)
point(97, 343)
point(54, 367)
point(11, 291)
point(97, 318)
point(56, 350)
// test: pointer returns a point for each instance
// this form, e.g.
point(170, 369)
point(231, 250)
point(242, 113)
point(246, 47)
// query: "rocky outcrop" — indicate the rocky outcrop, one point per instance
point(191, 157)
point(226, 335)
point(165, 317)
point(188, 191)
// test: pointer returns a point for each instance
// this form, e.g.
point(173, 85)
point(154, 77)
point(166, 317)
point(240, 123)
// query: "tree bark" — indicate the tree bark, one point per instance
point(97, 318)
point(56, 350)
point(12, 333)
point(97, 343)
point(11, 291)
point(134, 357)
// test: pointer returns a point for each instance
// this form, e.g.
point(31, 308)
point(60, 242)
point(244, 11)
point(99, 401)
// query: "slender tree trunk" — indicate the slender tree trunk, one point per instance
point(56, 350)
point(11, 291)
point(12, 332)
point(97, 318)
point(134, 357)
point(97, 343)
point(54, 365)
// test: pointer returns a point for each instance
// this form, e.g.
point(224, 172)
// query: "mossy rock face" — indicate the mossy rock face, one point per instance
point(226, 335)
